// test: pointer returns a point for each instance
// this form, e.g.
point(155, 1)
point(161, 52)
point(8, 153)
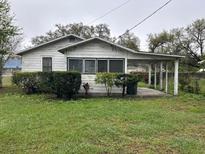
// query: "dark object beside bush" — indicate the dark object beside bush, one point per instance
point(63, 84)
point(132, 82)
point(128, 81)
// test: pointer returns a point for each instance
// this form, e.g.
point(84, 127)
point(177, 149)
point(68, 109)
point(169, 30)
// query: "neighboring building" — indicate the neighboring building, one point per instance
point(12, 64)
point(202, 63)
point(89, 57)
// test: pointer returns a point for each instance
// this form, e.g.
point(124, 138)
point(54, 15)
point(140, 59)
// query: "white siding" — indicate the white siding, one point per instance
point(99, 49)
point(96, 88)
point(96, 49)
point(32, 60)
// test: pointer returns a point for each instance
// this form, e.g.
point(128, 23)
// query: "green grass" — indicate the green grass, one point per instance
point(39, 124)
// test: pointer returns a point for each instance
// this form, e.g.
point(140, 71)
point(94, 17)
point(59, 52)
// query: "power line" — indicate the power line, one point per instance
point(146, 18)
point(110, 11)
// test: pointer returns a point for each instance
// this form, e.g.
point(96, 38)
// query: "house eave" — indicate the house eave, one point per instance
point(49, 42)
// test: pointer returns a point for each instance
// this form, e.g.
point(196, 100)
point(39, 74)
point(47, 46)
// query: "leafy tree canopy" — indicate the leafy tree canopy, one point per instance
point(8, 31)
point(188, 41)
point(101, 30)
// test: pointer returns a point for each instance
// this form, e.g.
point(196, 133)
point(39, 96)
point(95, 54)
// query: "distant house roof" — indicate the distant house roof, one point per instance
point(62, 50)
point(50, 42)
point(13, 62)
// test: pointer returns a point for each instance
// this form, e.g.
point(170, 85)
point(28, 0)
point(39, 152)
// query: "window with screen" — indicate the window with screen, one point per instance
point(116, 66)
point(47, 64)
point(90, 66)
point(102, 66)
point(75, 65)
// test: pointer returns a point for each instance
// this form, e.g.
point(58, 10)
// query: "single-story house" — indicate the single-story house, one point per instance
point(93, 55)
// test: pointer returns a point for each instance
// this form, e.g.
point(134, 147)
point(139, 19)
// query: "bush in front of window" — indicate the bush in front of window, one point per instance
point(66, 84)
point(45, 80)
point(108, 79)
point(63, 84)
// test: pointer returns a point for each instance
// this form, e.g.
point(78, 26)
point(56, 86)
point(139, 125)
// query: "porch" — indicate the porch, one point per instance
point(158, 73)
point(99, 90)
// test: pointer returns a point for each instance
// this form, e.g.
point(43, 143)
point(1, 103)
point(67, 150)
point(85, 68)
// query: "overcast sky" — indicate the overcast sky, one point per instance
point(36, 17)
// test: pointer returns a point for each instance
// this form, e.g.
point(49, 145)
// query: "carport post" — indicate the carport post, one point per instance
point(155, 76)
point(125, 65)
point(167, 71)
point(161, 75)
point(150, 74)
point(176, 77)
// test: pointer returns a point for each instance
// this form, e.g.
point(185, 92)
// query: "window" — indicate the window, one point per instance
point(47, 64)
point(116, 66)
point(102, 66)
point(90, 66)
point(75, 65)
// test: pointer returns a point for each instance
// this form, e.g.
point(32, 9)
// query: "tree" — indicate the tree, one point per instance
point(101, 30)
point(196, 33)
point(188, 41)
point(7, 32)
point(129, 40)
point(161, 42)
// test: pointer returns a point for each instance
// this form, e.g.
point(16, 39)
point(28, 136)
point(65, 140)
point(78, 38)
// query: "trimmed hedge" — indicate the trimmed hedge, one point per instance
point(27, 81)
point(66, 84)
point(63, 84)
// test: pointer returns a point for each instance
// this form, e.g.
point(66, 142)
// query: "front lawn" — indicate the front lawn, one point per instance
point(37, 124)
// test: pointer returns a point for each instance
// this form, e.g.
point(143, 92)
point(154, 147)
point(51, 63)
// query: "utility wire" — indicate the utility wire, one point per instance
point(146, 18)
point(110, 11)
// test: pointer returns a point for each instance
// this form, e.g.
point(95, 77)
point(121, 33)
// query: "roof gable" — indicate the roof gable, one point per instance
point(62, 50)
point(50, 42)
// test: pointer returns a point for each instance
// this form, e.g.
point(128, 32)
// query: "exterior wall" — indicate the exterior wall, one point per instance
point(99, 49)
point(32, 60)
point(97, 89)
point(96, 50)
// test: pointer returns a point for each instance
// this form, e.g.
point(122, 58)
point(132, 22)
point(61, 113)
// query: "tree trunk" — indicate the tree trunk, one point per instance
point(123, 90)
point(201, 49)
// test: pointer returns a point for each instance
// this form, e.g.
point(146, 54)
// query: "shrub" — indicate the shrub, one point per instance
point(197, 89)
point(142, 76)
point(66, 84)
point(184, 81)
point(63, 84)
point(45, 81)
point(108, 79)
point(189, 89)
point(27, 81)
point(121, 81)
